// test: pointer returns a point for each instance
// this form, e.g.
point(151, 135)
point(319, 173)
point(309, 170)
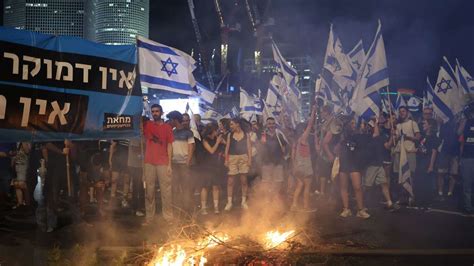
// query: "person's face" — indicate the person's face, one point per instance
point(197, 118)
point(353, 125)
point(254, 125)
point(271, 125)
point(427, 114)
point(186, 121)
point(403, 113)
point(156, 113)
point(234, 126)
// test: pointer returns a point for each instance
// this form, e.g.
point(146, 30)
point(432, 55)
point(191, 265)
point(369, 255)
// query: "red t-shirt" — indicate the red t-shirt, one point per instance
point(156, 152)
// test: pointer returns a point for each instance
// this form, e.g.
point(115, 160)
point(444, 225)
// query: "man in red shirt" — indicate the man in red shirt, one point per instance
point(158, 154)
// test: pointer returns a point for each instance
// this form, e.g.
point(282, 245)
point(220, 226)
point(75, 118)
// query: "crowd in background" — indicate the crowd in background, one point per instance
point(330, 156)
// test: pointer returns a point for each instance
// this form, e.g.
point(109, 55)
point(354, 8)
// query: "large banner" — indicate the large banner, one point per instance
point(56, 88)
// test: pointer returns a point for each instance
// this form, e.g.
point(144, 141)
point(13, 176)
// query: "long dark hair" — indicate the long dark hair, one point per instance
point(225, 123)
point(208, 129)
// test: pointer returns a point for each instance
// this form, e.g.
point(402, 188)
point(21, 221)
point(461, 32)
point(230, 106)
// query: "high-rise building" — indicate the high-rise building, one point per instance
point(57, 17)
point(116, 22)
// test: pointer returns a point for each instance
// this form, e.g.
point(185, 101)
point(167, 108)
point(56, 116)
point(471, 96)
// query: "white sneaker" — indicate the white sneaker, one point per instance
point(346, 213)
point(204, 211)
point(216, 211)
point(124, 203)
point(228, 206)
point(363, 214)
point(245, 206)
point(139, 214)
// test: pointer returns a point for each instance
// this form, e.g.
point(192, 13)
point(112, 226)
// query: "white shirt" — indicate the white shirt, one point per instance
point(409, 128)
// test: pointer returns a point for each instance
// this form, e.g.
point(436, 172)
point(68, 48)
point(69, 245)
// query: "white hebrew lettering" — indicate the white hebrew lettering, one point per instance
point(57, 112)
point(60, 66)
point(3, 106)
point(16, 62)
point(109, 120)
point(129, 79)
point(128, 120)
point(34, 71)
point(26, 111)
point(113, 71)
point(49, 68)
point(85, 71)
point(42, 106)
point(104, 77)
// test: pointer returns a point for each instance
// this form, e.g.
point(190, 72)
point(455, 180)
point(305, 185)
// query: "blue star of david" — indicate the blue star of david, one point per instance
point(166, 69)
point(447, 85)
point(469, 79)
point(357, 64)
point(332, 61)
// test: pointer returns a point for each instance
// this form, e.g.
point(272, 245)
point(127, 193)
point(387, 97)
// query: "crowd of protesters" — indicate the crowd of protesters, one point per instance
point(328, 156)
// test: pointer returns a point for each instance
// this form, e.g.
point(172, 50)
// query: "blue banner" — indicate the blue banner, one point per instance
point(59, 87)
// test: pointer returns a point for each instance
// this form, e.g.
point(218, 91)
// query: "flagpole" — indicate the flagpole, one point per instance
point(391, 115)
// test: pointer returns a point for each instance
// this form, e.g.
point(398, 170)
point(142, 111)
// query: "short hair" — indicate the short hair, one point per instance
point(403, 107)
point(175, 115)
point(186, 114)
point(157, 106)
point(270, 118)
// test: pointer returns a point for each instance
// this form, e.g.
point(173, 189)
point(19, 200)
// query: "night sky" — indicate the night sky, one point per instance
point(417, 33)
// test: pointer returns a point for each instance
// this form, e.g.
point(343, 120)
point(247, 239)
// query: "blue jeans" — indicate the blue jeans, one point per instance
point(467, 172)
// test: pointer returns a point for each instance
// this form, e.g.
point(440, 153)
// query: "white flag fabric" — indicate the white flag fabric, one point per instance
point(404, 174)
point(250, 105)
point(357, 56)
point(427, 96)
point(165, 68)
point(205, 94)
point(465, 80)
point(338, 72)
point(374, 74)
point(446, 89)
point(289, 73)
point(192, 122)
point(399, 102)
point(366, 106)
point(440, 109)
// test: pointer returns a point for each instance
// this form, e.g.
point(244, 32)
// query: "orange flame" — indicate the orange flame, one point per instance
point(275, 238)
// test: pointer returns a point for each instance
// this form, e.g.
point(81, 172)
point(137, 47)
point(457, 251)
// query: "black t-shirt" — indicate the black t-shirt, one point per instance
point(425, 149)
point(468, 136)
point(450, 139)
point(354, 149)
point(376, 153)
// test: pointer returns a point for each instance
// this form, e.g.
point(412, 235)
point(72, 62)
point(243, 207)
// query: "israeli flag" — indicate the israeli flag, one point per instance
point(374, 74)
point(446, 90)
point(205, 94)
point(250, 105)
point(338, 71)
point(165, 68)
point(322, 91)
point(399, 102)
point(273, 94)
point(288, 72)
point(404, 173)
point(465, 80)
point(366, 106)
point(428, 97)
point(357, 56)
point(440, 109)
